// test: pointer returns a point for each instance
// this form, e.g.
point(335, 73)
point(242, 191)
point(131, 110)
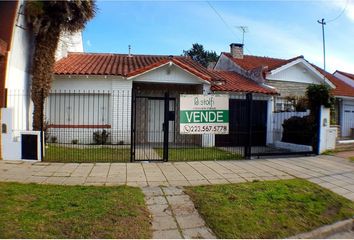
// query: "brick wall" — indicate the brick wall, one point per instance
point(289, 88)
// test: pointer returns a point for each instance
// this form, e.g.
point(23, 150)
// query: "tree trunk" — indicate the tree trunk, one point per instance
point(42, 70)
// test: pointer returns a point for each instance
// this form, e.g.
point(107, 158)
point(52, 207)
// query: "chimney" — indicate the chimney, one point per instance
point(236, 50)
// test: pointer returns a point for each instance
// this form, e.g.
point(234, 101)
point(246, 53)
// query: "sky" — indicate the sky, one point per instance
point(280, 29)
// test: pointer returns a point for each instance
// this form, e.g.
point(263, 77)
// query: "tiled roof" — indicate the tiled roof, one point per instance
point(342, 89)
point(234, 82)
point(129, 66)
point(249, 62)
point(349, 75)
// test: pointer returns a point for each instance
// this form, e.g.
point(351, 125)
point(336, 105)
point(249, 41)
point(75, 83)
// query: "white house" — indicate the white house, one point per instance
point(290, 77)
point(344, 94)
point(92, 92)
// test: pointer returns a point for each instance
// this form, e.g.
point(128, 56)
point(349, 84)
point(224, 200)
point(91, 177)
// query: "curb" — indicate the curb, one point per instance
point(327, 230)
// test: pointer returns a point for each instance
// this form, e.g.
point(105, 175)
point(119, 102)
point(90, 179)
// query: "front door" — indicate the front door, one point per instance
point(153, 127)
point(156, 121)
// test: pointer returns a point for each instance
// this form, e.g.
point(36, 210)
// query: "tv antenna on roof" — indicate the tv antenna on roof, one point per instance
point(243, 29)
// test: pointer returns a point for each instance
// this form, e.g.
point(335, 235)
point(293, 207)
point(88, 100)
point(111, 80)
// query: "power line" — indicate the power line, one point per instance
point(323, 23)
point(225, 23)
point(341, 13)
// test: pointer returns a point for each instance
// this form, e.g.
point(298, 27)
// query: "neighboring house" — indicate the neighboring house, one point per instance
point(15, 57)
point(102, 84)
point(344, 94)
point(290, 77)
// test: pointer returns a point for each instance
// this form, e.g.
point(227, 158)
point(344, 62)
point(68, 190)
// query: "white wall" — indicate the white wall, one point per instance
point(11, 147)
point(325, 142)
point(121, 111)
point(69, 43)
point(98, 100)
point(11, 143)
point(83, 83)
point(169, 74)
point(18, 73)
point(296, 73)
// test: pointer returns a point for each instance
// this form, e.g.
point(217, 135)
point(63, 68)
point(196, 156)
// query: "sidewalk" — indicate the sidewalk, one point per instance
point(330, 172)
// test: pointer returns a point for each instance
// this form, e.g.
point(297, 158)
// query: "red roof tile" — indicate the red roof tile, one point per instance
point(236, 83)
point(342, 89)
point(129, 66)
point(249, 62)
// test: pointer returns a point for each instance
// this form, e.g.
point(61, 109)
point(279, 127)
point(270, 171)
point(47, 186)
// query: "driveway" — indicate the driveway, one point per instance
point(334, 173)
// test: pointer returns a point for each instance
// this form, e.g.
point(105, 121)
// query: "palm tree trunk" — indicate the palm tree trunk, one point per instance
point(44, 56)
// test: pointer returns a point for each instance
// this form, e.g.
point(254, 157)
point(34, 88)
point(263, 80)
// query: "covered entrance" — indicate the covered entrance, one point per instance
point(155, 120)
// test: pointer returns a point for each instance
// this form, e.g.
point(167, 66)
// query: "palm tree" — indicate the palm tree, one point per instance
point(48, 19)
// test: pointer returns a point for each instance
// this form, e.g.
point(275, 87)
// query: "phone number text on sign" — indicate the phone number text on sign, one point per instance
point(204, 114)
point(204, 129)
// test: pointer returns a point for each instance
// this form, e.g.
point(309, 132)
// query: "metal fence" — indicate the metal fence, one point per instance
point(123, 126)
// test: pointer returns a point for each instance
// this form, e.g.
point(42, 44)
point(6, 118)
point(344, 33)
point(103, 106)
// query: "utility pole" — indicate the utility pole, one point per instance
point(323, 23)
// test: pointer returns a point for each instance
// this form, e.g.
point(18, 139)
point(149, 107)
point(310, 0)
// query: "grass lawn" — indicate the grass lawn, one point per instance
point(49, 211)
point(351, 158)
point(87, 154)
point(198, 154)
point(270, 209)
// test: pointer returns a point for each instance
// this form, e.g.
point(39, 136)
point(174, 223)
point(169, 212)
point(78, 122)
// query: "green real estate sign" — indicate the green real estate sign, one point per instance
point(204, 114)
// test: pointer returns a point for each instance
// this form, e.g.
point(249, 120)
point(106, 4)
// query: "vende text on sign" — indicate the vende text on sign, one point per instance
point(204, 114)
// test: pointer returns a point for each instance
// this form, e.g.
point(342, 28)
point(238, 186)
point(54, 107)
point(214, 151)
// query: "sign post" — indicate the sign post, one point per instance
point(204, 114)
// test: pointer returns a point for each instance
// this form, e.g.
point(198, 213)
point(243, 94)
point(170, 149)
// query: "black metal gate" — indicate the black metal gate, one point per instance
point(153, 120)
point(122, 126)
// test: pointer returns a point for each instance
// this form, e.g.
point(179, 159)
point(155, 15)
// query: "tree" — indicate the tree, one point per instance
point(198, 54)
point(47, 20)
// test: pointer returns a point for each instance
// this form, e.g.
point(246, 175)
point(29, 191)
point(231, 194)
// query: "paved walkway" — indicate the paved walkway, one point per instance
point(174, 215)
point(345, 154)
point(331, 172)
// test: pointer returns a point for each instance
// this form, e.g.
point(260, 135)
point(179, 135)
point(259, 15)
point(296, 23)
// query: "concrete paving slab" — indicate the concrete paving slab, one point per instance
point(167, 234)
point(152, 191)
point(74, 181)
point(155, 200)
point(160, 210)
point(164, 223)
point(55, 180)
point(198, 233)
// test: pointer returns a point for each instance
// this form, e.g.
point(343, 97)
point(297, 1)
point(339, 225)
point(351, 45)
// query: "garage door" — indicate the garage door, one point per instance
point(348, 119)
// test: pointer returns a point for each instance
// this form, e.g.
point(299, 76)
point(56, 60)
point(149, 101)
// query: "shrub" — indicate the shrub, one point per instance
point(53, 139)
point(299, 130)
point(319, 95)
point(74, 141)
point(100, 137)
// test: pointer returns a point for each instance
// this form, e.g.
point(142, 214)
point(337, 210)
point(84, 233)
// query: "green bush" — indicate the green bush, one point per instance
point(299, 130)
point(319, 95)
point(100, 137)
